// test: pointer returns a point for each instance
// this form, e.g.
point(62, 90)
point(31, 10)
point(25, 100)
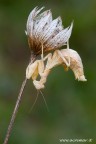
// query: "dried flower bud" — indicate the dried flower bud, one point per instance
point(42, 30)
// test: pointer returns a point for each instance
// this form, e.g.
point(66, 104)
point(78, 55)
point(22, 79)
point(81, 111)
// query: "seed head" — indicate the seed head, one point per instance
point(42, 30)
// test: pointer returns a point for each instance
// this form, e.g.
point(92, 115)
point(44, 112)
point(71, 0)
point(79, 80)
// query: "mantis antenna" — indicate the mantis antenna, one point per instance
point(37, 98)
point(44, 100)
point(34, 101)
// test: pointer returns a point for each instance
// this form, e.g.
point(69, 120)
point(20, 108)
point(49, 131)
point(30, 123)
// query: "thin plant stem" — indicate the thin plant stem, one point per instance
point(32, 59)
point(14, 112)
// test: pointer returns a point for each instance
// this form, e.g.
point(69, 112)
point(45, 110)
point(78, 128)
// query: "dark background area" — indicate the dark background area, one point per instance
point(72, 104)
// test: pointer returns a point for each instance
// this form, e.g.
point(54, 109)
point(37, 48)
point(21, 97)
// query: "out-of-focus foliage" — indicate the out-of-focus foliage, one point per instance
point(72, 104)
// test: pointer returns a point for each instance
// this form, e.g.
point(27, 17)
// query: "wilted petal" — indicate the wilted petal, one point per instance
point(54, 28)
point(30, 21)
point(42, 16)
point(42, 23)
point(61, 38)
point(29, 25)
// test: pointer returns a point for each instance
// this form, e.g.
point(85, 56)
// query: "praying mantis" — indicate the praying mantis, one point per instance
point(66, 57)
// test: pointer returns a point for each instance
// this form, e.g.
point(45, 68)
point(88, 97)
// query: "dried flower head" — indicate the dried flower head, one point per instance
point(45, 34)
point(42, 30)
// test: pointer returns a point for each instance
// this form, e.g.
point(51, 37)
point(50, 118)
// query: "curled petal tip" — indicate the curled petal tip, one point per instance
point(25, 32)
point(71, 25)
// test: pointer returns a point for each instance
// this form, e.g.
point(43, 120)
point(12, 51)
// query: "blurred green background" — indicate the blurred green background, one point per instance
point(72, 104)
